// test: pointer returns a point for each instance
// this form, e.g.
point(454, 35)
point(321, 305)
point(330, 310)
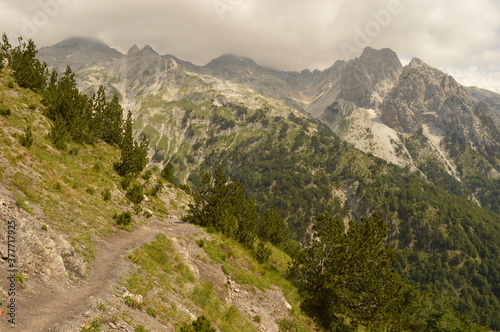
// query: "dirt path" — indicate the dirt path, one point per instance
point(49, 309)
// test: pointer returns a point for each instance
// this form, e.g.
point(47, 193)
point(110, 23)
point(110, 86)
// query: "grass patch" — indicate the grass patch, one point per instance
point(227, 319)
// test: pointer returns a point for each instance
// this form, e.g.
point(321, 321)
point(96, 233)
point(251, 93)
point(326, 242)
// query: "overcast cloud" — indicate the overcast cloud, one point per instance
point(461, 37)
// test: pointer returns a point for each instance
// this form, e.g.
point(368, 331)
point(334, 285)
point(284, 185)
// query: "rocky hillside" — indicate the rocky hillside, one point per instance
point(440, 140)
point(74, 268)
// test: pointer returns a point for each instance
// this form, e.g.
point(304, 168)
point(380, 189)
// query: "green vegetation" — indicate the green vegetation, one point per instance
point(444, 247)
point(123, 219)
point(201, 324)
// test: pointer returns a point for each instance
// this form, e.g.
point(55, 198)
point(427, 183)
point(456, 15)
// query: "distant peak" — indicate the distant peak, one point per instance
point(231, 59)
point(148, 48)
point(133, 49)
point(417, 63)
point(73, 41)
point(369, 52)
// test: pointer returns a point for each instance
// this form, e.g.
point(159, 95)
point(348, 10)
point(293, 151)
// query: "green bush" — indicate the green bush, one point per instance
point(5, 111)
point(135, 194)
point(26, 139)
point(123, 219)
point(202, 324)
point(106, 194)
point(147, 175)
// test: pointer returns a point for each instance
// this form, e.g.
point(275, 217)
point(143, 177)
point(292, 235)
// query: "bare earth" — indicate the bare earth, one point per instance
point(51, 308)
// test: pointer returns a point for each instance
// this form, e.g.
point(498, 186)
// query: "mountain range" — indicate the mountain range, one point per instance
point(413, 116)
point(365, 135)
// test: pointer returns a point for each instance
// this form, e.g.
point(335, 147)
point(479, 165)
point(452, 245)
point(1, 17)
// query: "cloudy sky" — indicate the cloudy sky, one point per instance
point(461, 37)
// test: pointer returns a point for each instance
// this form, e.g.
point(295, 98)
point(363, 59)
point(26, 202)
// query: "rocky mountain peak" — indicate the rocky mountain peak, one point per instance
point(417, 63)
point(134, 48)
point(149, 49)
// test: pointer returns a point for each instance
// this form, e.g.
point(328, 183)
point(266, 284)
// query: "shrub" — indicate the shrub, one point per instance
point(202, 324)
point(10, 85)
point(262, 253)
point(135, 194)
point(94, 326)
point(106, 194)
point(126, 182)
point(140, 328)
point(168, 172)
point(123, 219)
point(26, 139)
point(5, 111)
point(147, 175)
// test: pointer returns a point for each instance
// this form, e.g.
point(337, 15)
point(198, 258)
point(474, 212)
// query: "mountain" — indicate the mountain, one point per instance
point(72, 267)
point(79, 53)
point(366, 135)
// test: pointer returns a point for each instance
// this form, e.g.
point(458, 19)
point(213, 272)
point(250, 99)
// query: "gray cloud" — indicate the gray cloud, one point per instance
point(462, 37)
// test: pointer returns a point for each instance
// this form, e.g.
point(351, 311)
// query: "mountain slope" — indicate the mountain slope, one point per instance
point(77, 270)
point(285, 158)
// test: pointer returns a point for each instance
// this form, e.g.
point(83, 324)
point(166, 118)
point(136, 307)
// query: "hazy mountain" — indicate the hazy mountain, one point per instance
point(79, 53)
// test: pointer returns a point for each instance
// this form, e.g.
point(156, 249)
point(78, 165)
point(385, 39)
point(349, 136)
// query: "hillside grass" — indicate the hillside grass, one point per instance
point(63, 187)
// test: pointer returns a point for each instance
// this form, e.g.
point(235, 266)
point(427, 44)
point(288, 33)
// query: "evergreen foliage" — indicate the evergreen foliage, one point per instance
point(220, 204)
point(201, 324)
point(348, 273)
point(443, 242)
point(133, 155)
point(123, 219)
point(28, 71)
point(135, 193)
point(272, 227)
point(168, 172)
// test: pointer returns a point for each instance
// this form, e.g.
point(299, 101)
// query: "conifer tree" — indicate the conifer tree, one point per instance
point(272, 227)
point(347, 275)
point(113, 121)
point(133, 155)
point(28, 71)
point(5, 50)
point(98, 108)
point(221, 204)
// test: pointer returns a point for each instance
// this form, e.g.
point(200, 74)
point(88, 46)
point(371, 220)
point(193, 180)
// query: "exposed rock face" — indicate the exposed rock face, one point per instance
point(397, 115)
point(40, 253)
point(140, 62)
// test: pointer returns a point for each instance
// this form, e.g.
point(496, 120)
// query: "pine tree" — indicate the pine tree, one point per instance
point(113, 120)
point(68, 107)
point(348, 273)
point(221, 204)
point(5, 50)
point(272, 227)
point(28, 71)
point(133, 155)
point(168, 172)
